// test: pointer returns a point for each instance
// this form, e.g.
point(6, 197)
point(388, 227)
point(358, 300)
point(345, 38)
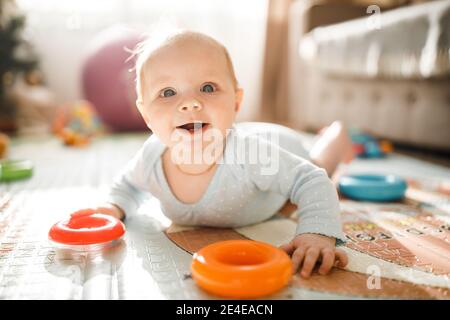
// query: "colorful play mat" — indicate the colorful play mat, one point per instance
point(396, 250)
point(407, 247)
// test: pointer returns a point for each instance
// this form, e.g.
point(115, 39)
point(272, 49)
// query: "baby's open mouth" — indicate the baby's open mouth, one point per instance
point(193, 126)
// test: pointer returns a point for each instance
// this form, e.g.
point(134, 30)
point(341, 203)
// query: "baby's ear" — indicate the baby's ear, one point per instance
point(239, 96)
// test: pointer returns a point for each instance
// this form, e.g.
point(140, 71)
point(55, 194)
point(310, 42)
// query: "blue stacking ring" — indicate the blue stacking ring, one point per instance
point(372, 187)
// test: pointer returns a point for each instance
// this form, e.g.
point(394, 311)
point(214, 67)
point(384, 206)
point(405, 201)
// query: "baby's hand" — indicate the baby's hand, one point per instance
point(310, 248)
point(108, 209)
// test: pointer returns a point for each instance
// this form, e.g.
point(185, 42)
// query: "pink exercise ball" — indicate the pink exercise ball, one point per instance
point(107, 81)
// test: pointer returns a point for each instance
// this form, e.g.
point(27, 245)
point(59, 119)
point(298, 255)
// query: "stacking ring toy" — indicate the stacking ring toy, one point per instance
point(372, 187)
point(11, 170)
point(85, 228)
point(241, 268)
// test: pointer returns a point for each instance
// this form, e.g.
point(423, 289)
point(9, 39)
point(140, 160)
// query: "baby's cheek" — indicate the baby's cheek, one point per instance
point(163, 133)
point(158, 126)
point(223, 114)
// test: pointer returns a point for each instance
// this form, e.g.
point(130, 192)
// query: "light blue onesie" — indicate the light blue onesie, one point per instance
point(242, 191)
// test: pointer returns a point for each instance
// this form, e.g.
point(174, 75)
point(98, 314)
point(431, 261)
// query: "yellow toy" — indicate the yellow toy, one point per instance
point(4, 145)
point(77, 124)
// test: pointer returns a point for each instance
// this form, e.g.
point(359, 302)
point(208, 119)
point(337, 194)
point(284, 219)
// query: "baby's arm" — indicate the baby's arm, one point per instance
point(125, 195)
point(107, 208)
point(130, 187)
point(309, 187)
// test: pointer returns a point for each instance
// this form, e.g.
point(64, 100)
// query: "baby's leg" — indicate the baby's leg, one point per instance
point(333, 146)
point(286, 138)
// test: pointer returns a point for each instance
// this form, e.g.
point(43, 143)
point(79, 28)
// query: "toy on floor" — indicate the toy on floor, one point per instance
point(367, 146)
point(373, 187)
point(77, 124)
point(12, 170)
point(241, 268)
point(87, 230)
point(4, 145)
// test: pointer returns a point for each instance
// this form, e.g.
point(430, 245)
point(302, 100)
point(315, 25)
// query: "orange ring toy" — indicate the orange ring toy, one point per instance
point(86, 227)
point(241, 268)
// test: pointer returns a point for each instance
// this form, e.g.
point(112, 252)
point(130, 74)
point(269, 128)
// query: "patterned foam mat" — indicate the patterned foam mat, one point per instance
point(147, 264)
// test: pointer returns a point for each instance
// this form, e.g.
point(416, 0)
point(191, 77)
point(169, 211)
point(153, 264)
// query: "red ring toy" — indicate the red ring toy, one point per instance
point(87, 227)
point(241, 268)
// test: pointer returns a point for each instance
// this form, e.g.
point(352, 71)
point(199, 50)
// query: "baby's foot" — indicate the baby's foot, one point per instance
point(333, 146)
point(344, 140)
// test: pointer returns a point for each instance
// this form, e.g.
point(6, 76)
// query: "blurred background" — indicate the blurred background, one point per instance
point(380, 66)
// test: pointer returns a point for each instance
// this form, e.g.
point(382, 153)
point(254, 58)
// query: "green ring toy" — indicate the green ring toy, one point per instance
point(12, 170)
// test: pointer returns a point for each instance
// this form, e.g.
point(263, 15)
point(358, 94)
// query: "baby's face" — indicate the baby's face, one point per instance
point(187, 90)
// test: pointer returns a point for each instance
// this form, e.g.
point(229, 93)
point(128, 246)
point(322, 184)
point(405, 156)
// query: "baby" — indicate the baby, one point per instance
point(206, 170)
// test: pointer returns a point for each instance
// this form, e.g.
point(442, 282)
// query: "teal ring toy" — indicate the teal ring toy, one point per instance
point(11, 170)
point(372, 187)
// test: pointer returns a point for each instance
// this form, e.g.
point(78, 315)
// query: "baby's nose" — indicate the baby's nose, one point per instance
point(189, 106)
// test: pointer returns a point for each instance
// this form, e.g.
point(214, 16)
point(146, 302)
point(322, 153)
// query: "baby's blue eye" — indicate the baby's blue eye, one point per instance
point(208, 88)
point(168, 93)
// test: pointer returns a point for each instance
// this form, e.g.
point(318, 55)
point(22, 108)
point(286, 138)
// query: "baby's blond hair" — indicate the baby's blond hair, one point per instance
point(145, 49)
